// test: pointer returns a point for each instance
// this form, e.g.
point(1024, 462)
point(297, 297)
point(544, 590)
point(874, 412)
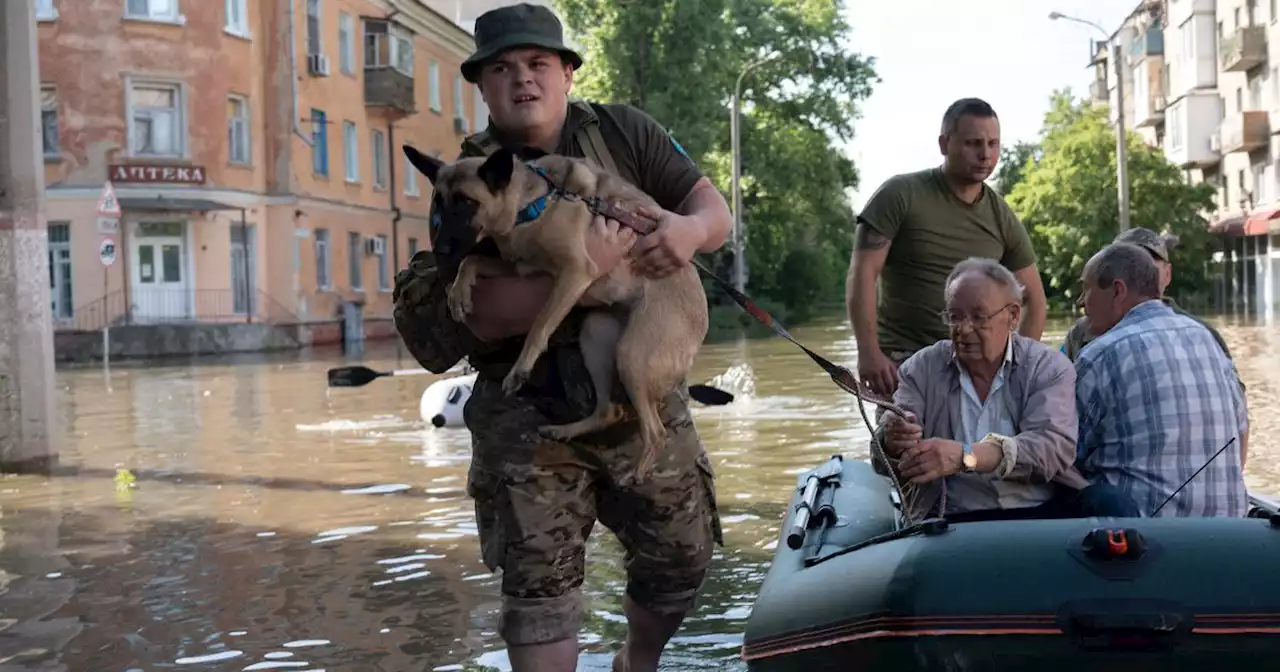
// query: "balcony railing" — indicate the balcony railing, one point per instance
point(1243, 50)
point(1150, 112)
point(1244, 132)
point(164, 306)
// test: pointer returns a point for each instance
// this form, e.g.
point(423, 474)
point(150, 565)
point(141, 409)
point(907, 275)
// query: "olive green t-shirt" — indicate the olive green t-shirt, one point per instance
point(931, 231)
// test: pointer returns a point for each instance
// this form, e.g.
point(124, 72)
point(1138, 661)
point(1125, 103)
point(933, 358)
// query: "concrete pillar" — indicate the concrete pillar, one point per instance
point(26, 333)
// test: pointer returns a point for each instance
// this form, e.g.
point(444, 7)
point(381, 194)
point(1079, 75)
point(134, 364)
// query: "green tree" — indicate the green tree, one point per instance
point(1013, 165)
point(1068, 200)
point(679, 59)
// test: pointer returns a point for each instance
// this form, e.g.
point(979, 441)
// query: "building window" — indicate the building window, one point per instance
point(157, 120)
point(49, 120)
point(323, 281)
point(433, 86)
point(60, 269)
point(384, 266)
point(459, 106)
point(353, 260)
point(238, 130)
point(411, 187)
point(379, 159)
point(413, 247)
point(388, 45)
point(1261, 194)
point(313, 27)
point(237, 21)
point(45, 11)
point(346, 44)
point(350, 151)
point(319, 143)
point(155, 10)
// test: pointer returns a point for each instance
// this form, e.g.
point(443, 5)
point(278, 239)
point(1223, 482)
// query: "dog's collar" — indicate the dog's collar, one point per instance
point(534, 209)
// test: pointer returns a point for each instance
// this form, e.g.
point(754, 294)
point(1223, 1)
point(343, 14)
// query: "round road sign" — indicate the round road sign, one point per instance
point(107, 251)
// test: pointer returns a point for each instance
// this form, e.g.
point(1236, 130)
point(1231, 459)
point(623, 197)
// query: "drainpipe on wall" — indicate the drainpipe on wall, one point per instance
point(293, 74)
point(395, 209)
point(248, 280)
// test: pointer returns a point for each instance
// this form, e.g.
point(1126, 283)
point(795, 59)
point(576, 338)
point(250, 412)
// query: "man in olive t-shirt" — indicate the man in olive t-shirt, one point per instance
point(915, 228)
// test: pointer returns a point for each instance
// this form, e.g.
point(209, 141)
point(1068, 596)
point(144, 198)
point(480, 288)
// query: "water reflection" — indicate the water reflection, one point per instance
point(280, 525)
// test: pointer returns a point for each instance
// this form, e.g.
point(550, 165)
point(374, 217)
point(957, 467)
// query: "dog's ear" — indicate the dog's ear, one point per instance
point(426, 165)
point(497, 169)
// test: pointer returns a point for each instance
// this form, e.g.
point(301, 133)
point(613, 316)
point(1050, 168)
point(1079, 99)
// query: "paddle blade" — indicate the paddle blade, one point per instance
point(710, 396)
point(352, 376)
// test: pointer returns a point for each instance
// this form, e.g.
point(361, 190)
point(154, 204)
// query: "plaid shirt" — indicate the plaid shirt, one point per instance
point(1156, 398)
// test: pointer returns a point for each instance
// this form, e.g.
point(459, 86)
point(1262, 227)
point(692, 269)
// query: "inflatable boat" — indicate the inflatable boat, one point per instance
point(852, 587)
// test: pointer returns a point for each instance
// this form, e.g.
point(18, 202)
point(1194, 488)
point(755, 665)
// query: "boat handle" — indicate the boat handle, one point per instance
point(1130, 622)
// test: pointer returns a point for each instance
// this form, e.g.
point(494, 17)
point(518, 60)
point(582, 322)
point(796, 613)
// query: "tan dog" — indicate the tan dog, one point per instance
point(649, 330)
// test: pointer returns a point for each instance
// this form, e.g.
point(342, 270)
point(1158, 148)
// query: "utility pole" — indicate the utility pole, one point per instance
point(735, 133)
point(26, 333)
point(1122, 147)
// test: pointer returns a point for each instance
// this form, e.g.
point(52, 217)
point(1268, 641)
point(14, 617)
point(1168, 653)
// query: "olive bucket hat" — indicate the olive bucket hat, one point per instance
point(522, 25)
point(1158, 244)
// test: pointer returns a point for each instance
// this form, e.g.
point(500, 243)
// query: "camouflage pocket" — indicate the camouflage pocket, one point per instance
point(490, 495)
point(708, 476)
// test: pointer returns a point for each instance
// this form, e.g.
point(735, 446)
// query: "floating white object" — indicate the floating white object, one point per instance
point(442, 401)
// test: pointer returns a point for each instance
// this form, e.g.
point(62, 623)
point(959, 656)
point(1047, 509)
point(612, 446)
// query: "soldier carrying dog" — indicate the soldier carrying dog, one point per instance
point(537, 500)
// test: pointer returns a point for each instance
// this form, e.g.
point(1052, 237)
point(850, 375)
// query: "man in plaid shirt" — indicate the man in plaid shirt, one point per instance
point(1155, 395)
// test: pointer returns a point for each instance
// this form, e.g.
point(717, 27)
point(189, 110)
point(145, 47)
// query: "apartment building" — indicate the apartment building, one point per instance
point(1201, 84)
point(253, 146)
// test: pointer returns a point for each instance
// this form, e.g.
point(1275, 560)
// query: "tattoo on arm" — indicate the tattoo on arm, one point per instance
point(866, 238)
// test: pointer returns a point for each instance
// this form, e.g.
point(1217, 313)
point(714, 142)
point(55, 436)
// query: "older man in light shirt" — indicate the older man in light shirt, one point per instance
point(992, 414)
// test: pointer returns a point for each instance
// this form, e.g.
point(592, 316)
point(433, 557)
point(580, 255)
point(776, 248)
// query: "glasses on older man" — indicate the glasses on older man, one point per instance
point(977, 320)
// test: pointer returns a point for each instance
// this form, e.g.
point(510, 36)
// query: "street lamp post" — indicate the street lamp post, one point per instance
point(1122, 148)
point(739, 263)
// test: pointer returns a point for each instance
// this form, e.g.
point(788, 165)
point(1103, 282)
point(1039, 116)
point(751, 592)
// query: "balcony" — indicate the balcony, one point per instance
point(388, 66)
point(1149, 111)
point(1244, 132)
point(1243, 50)
point(1099, 92)
point(1150, 43)
point(1191, 131)
point(387, 87)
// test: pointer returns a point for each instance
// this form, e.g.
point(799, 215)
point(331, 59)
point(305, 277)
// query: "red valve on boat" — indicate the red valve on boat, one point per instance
point(1121, 544)
point(1117, 544)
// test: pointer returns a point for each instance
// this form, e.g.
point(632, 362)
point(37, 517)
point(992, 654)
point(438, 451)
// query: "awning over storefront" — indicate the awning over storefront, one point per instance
point(1257, 223)
point(166, 204)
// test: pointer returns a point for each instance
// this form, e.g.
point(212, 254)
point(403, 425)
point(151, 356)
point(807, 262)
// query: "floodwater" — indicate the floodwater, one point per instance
point(278, 525)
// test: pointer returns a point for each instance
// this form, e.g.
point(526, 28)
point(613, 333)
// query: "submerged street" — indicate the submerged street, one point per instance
point(277, 524)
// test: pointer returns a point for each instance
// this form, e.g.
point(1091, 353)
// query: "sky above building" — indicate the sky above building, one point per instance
point(930, 53)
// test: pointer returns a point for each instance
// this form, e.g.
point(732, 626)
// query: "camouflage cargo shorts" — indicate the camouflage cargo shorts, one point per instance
point(537, 501)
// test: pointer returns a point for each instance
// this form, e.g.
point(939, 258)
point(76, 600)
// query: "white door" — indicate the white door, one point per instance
point(60, 269)
point(158, 261)
point(244, 270)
